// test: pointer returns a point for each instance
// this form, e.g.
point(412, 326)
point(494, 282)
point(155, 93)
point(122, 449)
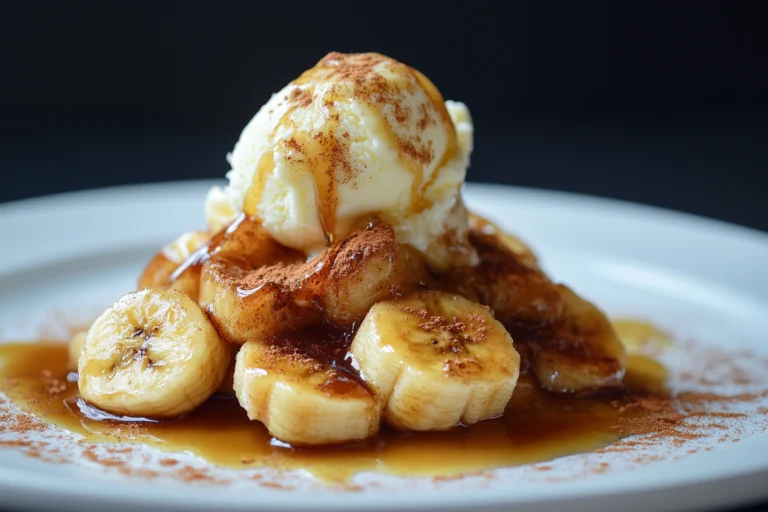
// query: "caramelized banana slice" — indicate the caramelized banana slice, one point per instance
point(566, 342)
point(581, 353)
point(247, 304)
point(367, 267)
point(436, 360)
point(179, 264)
point(520, 249)
point(341, 284)
point(514, 290)
point(153, 354)
point(301, 399)
point(246, 240)
point(160, 270)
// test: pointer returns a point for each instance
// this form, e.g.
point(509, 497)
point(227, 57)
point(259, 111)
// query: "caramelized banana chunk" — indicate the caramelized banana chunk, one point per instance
point(339, 285)
point(563, 339)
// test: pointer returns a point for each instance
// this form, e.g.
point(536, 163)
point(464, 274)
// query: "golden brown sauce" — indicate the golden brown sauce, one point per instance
point(324, 155)
point(536, 427)
point(327, 343)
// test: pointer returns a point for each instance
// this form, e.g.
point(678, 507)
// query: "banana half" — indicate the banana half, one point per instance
point(301, 399)
point(436, 360)
point(152, 354)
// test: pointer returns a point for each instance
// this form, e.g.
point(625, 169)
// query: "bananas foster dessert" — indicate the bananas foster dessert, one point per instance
point(341, 286)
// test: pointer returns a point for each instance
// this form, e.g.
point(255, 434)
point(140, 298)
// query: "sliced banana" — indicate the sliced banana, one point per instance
point(566, 341)
point(436, 360)
point(158, 273)
point(301, 400)
point(75, 347)
point(522, 250)
point(152, 354)
point(182, 248)
point(248, 302)
point(510, 283)
point(580, 353)
point(367, 267)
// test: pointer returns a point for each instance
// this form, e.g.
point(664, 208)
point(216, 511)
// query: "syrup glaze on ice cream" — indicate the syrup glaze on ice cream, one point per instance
point(355, 135)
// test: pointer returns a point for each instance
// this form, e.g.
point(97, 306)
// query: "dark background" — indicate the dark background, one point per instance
point(661, 103)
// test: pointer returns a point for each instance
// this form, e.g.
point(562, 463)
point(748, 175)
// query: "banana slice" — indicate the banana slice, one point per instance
point(301, 399)
point(519, 248)
point(436, 360)
point(75, 347)
point(367, 267)
point(158, 273)
point(581, 353)
point(152, 354)
point(510, 283)
point(248, 302)
point(566, 341)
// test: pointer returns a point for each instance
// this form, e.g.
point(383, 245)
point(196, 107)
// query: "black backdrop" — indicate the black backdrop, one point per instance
point(661, 103)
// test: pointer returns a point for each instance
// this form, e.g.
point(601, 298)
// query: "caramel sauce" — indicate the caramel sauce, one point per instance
point(327, 343)
point(536, 427)
point(323, 154)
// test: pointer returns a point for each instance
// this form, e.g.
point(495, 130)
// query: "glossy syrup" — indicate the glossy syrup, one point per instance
point(536, 427)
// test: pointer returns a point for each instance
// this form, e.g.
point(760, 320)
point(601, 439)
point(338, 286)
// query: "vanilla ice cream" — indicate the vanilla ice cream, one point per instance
point(356, 135)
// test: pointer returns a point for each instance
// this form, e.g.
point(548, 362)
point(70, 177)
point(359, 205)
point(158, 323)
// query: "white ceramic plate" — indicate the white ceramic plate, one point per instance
point(700, 279)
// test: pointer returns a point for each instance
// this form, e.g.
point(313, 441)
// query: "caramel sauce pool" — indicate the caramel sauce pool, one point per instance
point(536, 427)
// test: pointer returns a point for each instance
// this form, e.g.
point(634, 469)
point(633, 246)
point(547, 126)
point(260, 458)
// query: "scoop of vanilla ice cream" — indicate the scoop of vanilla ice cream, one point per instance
point(355, 136)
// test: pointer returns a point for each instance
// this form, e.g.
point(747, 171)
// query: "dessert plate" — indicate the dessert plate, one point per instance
point(67, 257)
